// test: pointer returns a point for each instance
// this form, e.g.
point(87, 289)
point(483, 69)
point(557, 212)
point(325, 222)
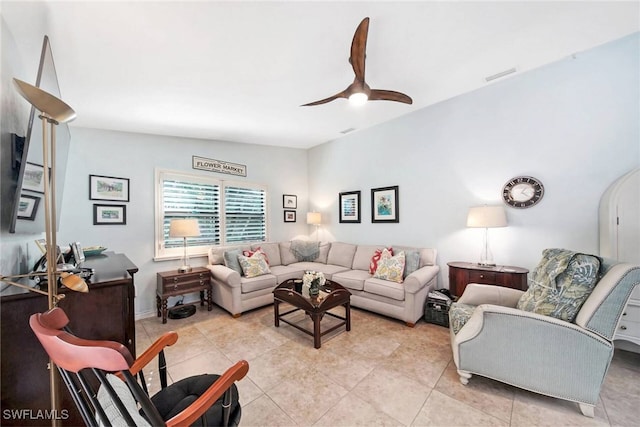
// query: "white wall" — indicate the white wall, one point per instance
point(136, 156)
point(571, 124)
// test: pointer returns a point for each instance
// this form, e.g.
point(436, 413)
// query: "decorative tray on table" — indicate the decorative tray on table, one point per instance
point(93, 250)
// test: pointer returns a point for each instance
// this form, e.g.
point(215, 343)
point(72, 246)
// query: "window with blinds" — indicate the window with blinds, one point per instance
point(227, 212)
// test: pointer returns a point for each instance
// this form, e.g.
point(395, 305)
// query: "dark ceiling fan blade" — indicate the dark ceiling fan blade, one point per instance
point(329, 99)
point(389, 95)
point(359, 49)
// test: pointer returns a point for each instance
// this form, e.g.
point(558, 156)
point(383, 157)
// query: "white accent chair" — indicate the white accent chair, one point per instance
point(540, 353)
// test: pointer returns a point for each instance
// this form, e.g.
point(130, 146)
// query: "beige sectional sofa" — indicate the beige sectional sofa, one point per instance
point(344, 263)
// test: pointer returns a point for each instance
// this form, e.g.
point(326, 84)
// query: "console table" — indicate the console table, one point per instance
point(173, 283)
point(106, 312)
point(463, 273)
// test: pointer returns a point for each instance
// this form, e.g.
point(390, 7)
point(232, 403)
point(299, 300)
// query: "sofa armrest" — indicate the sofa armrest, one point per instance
point(477, 294)
point(419, 278)
point(224, 274)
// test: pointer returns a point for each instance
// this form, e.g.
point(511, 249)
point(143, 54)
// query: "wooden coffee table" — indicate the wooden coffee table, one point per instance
point(332, 295)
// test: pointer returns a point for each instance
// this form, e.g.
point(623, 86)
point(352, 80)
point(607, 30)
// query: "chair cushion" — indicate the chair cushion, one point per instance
point(179, 395)
point(459, 314)
point(110, 409)
point(560, 284)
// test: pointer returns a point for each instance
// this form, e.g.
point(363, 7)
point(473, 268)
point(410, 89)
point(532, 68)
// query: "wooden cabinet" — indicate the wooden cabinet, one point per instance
point(173, 283)
point(106, 312)
point(463, 273)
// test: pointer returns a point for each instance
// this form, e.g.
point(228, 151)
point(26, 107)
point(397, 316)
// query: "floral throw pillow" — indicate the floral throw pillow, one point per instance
point(373, 265)
point(253, 266)
point(390, 267)
point(257, 251)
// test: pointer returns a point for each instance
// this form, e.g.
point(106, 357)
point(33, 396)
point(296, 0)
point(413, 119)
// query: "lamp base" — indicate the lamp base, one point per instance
point(185, 269)
point(487, 263)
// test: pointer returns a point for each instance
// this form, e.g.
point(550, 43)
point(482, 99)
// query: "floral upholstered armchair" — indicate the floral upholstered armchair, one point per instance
point(556, 338)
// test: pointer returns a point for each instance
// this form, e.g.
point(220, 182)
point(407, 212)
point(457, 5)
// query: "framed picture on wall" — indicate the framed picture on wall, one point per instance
point(289, 201)
point(108, 188)
point(28, 207)
point(289, 216)
point(349, 205)
point(33, 179)
point(109, 214)
point(384, 204)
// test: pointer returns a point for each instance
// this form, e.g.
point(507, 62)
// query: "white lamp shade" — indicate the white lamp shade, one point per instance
point(314, 218)
point(184, 228)
point(487, 217)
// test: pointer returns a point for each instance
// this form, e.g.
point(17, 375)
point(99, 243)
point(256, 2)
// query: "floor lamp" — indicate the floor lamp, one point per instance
point(315, 218)
point(53, 111)
point(486, 217)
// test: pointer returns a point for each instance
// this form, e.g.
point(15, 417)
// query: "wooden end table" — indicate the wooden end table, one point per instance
point(332, 295)
point(173, 283)
point(463, 273)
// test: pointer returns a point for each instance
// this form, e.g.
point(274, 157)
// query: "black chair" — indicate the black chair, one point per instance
point(202, 400)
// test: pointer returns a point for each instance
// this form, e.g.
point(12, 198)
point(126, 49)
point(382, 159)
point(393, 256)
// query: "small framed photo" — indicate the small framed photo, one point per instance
point(108, 188)
point(384, 204)
point(33, 178)
point(289, 201)
point(78, 253)
point(109, 214)
point(349, 204)
point(289, 216)
point(28, 207)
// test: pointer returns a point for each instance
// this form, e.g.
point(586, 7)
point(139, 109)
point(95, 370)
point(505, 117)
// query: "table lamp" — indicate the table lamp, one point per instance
point(486, 217)
point(315, 218)
point(184, 228)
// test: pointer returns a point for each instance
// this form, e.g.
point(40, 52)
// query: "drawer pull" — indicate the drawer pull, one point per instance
point(482, 276)
point(624, 328)
point(175, 287)
point(175, 280)
point(624, 314)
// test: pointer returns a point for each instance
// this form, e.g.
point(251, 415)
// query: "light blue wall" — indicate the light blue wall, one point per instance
point(136, 156)
point(572, 124)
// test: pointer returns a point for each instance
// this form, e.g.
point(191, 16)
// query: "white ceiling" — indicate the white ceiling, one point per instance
point(239, 71)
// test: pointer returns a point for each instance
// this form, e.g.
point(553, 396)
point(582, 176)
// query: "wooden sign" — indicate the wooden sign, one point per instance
point(213, 165)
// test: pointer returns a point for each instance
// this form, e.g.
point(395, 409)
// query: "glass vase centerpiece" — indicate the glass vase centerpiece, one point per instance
point(313, 280)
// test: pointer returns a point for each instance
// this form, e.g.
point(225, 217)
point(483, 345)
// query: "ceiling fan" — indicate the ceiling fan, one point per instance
point(359, 91)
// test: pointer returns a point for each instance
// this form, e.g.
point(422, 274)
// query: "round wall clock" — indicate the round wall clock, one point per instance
point(522, 192)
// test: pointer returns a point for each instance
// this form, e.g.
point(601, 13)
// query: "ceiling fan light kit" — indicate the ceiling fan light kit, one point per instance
point(359, 91)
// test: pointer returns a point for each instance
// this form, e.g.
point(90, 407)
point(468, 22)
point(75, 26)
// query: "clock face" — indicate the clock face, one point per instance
point(522, 192)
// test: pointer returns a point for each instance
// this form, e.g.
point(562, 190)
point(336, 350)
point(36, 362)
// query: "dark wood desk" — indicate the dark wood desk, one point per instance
point(106, 312)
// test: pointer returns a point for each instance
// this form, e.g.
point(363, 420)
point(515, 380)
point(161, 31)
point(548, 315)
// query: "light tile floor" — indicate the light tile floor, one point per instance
point(381, 373)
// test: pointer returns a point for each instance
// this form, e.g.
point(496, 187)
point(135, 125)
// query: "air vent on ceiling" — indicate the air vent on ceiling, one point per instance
point(501, 74)
point(347, 131)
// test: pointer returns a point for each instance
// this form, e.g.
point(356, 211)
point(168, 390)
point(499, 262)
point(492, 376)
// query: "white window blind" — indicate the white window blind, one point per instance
point(227, 212)
point(245, 214)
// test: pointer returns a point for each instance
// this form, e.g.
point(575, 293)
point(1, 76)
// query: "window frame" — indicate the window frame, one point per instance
point(162, 253)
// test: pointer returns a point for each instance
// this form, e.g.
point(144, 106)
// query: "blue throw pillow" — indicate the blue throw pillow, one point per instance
point(411, 262)
point(231, 260)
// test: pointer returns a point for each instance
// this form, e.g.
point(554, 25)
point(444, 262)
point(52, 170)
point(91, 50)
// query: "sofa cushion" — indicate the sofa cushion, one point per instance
point(341, 254)
point(362, 257)
point(324, 253)
point(411, 261)
point(284, 272)
point(258, 251)
point(351, 279)
point(254, 266)
point(384, 288)
point(390, 267)
point(231, 260)
point(250, 284)
point(427, 255)
point(305, 250)
point(560, 284)
point(271, 250)
point(286, 256)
